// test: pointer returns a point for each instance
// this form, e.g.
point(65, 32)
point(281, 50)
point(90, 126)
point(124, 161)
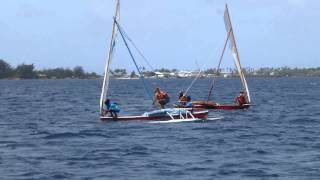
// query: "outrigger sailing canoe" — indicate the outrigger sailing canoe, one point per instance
point(231, 39)
point(163, 114)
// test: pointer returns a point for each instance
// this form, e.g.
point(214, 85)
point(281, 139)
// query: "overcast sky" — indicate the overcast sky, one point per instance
point(171, 34)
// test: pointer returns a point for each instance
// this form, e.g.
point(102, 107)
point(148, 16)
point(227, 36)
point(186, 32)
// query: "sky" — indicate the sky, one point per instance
point(182, 34)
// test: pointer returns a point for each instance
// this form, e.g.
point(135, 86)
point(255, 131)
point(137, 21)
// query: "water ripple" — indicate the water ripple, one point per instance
point(50, 129)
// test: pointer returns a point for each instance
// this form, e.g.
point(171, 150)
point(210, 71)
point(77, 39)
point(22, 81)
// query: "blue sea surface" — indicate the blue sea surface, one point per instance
point(50, 129)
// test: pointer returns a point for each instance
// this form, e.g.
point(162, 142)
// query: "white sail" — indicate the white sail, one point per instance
point(106, 78)
point(235, 52)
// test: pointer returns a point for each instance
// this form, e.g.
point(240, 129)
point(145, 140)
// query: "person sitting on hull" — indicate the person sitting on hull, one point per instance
point(241, 99)
point(112, 108)
point(185, 101)
point(161, 98)
point(189, 103)
point(182, 98)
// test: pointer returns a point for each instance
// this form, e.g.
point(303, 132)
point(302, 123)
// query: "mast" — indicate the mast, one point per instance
point(235, 52)
point(106, 78)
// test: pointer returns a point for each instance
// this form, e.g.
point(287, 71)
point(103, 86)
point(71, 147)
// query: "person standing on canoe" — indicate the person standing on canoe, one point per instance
point(241, 99)
point(161, 97)
point(112, 108)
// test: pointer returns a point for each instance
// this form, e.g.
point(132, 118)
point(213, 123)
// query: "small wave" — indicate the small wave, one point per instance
point(198, 169)
point(257, 173)
point(261, 152)
point(30, 174)
point(227, 172)
point(186, 120)
point(63, 135)
point(61, 175)
point(93, 134)
point(137, 150)
point(214, 118)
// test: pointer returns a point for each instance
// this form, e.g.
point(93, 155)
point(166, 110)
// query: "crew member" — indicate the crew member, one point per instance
point(112, 108)
point(161, 97)
point(241, 99)
point(189, 103)
point(182, 98)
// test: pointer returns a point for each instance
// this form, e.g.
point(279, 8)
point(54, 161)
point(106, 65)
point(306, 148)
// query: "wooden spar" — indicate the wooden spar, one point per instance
point(105, 85)
point(224, 49)
point(242, 77)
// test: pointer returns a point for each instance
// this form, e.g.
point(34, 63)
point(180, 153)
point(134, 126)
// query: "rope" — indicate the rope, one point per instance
point(218, 68)
point(194, 80)
point(134, 61)
point(140, 53)
point(138, 50)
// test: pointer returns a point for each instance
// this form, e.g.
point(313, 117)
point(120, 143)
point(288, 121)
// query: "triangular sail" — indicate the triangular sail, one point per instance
point(234, 49)
point(106, 78)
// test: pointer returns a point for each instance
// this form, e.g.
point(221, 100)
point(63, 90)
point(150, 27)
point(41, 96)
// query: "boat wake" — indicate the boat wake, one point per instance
point(186, 120)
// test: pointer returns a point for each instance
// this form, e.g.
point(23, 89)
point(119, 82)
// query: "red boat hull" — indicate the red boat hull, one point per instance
point(203, 114)
point(212, 105)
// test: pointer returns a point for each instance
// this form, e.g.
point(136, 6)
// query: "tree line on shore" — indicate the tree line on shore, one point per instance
point(230, 72)
point(28, 71)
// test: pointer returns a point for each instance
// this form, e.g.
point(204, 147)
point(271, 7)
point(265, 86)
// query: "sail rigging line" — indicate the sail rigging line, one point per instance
point(140, 53)
point(219, 64)
point(192, 83)
point(105, 85)
point(134, 61)
point(194, 80)
point(138, 50)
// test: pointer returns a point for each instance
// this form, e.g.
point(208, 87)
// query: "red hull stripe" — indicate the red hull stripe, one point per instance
point(222, 106)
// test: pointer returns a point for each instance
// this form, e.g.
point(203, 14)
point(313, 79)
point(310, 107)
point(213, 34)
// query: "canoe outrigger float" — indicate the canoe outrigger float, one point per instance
point(157, 115)
point(231, 39)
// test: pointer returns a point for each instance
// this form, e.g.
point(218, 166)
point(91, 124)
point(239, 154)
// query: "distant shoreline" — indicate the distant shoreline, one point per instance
point(28, 71)
point(21, 79)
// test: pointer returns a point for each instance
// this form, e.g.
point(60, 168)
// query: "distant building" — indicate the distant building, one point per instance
point(159, 74)
point(42, 76)
point(184, 74)
point(226, 74)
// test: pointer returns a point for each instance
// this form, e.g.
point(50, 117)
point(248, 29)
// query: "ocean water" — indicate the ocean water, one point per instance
point(50, 129)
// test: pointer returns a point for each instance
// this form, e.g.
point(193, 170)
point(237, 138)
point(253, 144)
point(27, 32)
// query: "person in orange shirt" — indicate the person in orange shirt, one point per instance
point(161, 97)
point(241, 99)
